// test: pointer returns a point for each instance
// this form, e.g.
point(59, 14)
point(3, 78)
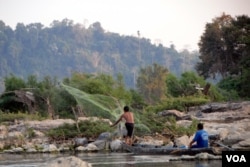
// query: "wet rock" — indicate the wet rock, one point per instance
point(104, 136)
point(200, 156)
point(89, 148)
point(71, 161)
point(31, 150)
point(15, 150)
point(80, 148)
point(81, 141)
point(206, 156)
point(48, 148)
point(116, 145)
point(63, 148)
point(100, 144)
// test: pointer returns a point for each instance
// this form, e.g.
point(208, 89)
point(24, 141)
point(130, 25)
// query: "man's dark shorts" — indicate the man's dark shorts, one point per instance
point(130, 128)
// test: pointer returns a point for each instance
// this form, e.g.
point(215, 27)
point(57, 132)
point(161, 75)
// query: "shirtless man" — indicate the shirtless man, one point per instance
point(129, 118)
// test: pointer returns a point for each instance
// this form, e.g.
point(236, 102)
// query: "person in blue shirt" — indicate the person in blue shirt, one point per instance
point(200, 139)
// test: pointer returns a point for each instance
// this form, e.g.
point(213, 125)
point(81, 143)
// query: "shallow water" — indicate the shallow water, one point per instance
point(103, 160)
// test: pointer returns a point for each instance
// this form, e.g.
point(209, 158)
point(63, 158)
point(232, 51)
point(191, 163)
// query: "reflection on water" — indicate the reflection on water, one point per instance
point(104, 160)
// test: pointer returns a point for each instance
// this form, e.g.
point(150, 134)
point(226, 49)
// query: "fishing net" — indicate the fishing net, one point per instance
point(103, 107)
point(95, 104)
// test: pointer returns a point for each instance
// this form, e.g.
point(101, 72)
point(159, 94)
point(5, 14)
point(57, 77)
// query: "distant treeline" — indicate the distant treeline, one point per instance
point(66, 47)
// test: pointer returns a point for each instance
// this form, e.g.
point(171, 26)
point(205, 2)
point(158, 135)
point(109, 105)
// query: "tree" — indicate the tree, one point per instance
point(225, 50)
point(13, 83)
point(188, 84)
point(151, 83)
point(223, 46)
point(213, 48)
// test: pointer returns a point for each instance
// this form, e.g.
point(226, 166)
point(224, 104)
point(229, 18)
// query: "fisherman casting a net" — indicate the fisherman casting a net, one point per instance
point(129, 118)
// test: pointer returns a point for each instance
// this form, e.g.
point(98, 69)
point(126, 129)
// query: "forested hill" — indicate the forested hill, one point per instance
point(65, 47)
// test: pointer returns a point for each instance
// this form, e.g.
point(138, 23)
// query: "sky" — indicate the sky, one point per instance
point(178, 22)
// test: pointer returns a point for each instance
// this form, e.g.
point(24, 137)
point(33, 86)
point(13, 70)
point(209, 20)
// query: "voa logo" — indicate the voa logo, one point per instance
point(236, 158)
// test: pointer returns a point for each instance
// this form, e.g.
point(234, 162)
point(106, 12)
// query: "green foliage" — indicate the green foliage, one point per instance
point(216, 94)
point(153, 122)
point(177, 130)
point(45, 94)
point(151, 83)
point(229, 87)
point(137, 100)
point(13, 83)
point(89, 129)
point(96, 104)
point(66, 131)
point(225, 49)
point(161, 124)
point(185, 86)
point(188, 85)
point(101, 84)
point(66, 46)
point(174, 87)
point(179, 103)
point(11, 117)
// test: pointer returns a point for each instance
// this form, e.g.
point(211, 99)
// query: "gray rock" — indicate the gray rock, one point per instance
point(100, 144)
point(71, 161)
point(104, 136)
point(48, 148)
point(200, 156)
point(31, 150)
point(174, 113)
point(81, 141)
point(89, 148)
point(116, 145)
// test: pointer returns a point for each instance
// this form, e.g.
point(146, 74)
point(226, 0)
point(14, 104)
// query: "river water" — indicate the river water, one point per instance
point(104, 160)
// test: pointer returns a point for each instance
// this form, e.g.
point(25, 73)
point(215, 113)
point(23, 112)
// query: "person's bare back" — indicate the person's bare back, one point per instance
point(129, 117)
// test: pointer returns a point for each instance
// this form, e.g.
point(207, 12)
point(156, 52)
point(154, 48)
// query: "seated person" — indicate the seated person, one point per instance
point(201, 138)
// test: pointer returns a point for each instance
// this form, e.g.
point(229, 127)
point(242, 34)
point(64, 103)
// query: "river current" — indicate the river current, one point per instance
point(104, 160)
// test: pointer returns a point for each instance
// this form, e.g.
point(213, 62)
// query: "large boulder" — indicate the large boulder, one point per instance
point(116, 145)
point(219, 107)
point(104, 136)
point(182, 141)
point(242, 145)
point(176, 114)
point(80, 141)
point(71, 161)
point(49, 148)
point(100, 144)
point(89, 148)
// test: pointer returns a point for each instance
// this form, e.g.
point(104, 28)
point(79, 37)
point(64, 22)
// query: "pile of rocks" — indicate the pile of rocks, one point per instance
point(229, 121)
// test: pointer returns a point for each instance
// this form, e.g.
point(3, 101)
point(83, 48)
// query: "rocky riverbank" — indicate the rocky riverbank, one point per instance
point(228, 121)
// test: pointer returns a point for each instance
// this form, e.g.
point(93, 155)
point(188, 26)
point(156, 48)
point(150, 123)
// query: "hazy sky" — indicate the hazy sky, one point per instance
point(181, 22)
